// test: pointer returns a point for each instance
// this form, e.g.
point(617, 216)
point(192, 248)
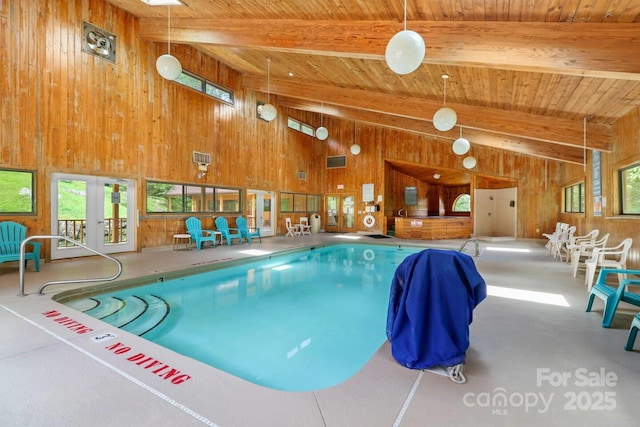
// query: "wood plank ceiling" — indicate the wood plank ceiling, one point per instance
point(525, 76)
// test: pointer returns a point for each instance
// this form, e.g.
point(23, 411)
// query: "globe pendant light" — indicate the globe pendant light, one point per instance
point(355, 148)
point(405, 50)
point(469, 162)
point(168, 65)
point(445, 118)
point(461, 145)
point(267, 111)
point(322, 133)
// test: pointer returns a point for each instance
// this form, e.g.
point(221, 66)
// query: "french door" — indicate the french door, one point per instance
point(260, 211)
point(95, 211)
point(340, 213)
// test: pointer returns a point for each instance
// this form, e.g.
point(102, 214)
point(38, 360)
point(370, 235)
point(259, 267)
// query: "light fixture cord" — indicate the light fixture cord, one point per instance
point(584, 144)
point(268, 78)
point(169, 28)
point(405, 15)
point(321, 109)
point(444, 102)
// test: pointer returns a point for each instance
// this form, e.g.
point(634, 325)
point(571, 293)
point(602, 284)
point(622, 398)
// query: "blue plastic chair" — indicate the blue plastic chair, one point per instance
point(247, 232)
point(633, 331)
point(11, 236)
point(198, 235)
point(228, 233)
point(612, 296)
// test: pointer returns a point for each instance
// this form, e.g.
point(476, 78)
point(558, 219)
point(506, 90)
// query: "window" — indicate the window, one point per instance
point(462, 203)
point(630, 190)
point(18, 194)
point(301, 127)
point(206, 87)
point(298, 202)
point(574, 198)
point(163, 197)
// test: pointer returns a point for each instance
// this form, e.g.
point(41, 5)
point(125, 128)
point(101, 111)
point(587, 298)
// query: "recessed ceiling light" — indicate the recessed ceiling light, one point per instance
point(290, 73)
point(162, 2)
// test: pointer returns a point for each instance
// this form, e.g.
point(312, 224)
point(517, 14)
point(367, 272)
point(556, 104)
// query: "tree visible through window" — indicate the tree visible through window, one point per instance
point(630, 188)
point(462, 203)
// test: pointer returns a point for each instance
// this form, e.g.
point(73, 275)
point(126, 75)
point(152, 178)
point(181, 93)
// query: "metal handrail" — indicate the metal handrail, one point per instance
point(475, 242)
point(60, 282)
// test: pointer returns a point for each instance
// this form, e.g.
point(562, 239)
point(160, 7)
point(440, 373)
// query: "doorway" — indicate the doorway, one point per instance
point(95, 211)
point(260, 211)
point(495, 213)
point(341, 213)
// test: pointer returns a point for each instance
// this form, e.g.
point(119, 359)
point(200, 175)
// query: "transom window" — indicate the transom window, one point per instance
point(630, 190)
point(300, 127)
point(206, 87)
point(574, 198)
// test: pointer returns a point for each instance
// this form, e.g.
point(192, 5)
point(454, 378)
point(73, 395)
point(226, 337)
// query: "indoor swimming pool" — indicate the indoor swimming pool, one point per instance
point(298, 322)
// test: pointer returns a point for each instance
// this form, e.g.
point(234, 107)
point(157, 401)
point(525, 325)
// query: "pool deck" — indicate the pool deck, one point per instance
point(529, 363)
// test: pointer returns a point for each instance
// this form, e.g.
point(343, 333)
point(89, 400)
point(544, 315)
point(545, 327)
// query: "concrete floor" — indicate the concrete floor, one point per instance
point(529, 364)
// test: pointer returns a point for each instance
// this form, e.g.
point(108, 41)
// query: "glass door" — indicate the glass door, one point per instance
point(340, 212)
point(260, 211)
point(95, 211)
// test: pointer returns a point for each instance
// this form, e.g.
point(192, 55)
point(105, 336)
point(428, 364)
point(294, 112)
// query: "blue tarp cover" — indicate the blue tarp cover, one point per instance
point(433, 294)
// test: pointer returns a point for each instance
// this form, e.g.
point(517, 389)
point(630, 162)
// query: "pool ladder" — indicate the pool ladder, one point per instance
point(61, 282)
point(475, 243)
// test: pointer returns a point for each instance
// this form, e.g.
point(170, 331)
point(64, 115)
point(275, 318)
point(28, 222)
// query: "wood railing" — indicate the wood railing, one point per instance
point(115, 231)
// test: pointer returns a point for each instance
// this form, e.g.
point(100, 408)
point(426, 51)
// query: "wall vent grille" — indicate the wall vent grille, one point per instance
point(201, 158)
point(336, 162)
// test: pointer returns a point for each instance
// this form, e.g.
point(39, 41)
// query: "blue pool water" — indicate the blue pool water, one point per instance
point(296, 322)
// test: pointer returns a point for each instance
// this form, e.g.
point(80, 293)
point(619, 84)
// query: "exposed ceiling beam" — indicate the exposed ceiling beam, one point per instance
point(586, 49)
point(562, 132)
point(546, 150)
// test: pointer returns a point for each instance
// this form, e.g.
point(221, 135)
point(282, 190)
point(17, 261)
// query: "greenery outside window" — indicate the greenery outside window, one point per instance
point(299, 202)
point(574, 198)
point(462, 203)
point(18, 192)
point(630, 190)
point(164, 197)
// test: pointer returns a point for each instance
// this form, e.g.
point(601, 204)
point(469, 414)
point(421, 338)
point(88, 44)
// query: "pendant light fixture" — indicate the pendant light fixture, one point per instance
point(445, 118)
point(461, 145)
point(168, 65)
point(469, 162)
point(322, 133)
point(267, 111)
point(355, 148)
point(405, 50)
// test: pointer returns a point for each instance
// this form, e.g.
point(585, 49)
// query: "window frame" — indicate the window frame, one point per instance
point(205, 84)
point(622, 188)
point(291, 202)
point(568, 195)
point(455, 202)
point(33, 206)
point(209, 200)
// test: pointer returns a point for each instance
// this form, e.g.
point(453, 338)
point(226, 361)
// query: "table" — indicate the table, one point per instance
point(179, 239)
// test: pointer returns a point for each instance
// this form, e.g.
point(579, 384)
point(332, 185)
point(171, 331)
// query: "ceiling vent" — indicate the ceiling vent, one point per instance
point(98, 42)
point(336, 162)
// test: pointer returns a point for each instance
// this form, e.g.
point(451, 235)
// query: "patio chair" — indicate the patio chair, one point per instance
point(585, 251)
point(575, 241)
point(11, 236)
point(633, 331)
point(198, 235)
point(305, 227)
point(560, 227)
point(247, 232)
point(293, 230)
point(615, 257)
point(228, 233)
point(559, 242)
point(612, 296)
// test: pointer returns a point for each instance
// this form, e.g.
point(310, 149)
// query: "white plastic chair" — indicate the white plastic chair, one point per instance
point(292, 230)
point(585, 251)
point(575, 241)
point(560, 227)
point(559, 242)
point(615, 257)
point(305, 227)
